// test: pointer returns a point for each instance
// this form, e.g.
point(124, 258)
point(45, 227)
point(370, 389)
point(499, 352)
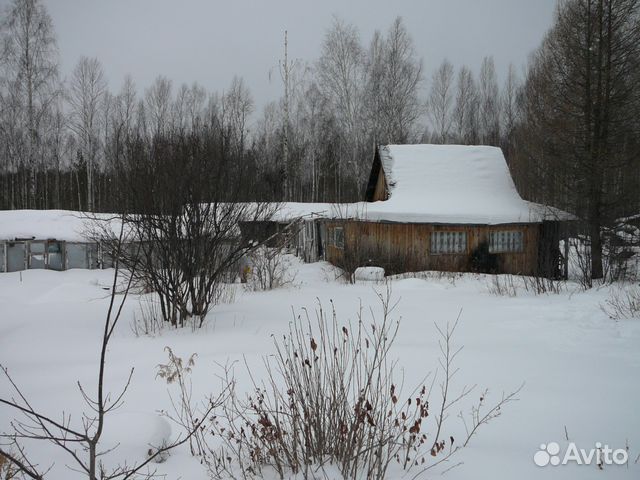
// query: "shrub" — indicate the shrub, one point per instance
point(147, 320)
point(330, 396)
point(269, 269)
point(623, 303)
point(511, 285)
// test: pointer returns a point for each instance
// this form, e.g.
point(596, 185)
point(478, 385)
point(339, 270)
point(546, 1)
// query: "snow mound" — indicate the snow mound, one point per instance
point(369, 274)
point(137, 434)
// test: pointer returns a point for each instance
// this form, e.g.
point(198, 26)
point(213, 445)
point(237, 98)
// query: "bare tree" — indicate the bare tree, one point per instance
point(509, 103)
point(401, 106)
point(375, 81)
point(29, 87)
point(489, 103)
point(158, 105)
point(188, 107)
point(195, 104)
point(87, 90)
point(340, 73)
point(440, 102)
point(179, 108)
point(237, 106)
point(465, 112)
point(186, 191)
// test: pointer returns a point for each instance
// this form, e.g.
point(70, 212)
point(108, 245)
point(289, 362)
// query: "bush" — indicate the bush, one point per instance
point(623, 303)
point(330, 396)
point(147, 321)
point(511, 285)
point(268, 269)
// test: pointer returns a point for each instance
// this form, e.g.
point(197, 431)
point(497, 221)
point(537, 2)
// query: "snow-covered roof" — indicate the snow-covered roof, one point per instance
point(452, 184)
point(48, 224)
point(288, 211)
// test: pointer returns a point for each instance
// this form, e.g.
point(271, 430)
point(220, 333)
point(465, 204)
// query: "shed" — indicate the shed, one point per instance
point(48, 239)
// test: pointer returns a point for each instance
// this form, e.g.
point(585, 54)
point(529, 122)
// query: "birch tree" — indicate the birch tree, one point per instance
point(88, 87)
point(158, 106)
point(489, 103)
point(440, 102)
point(465, 110)
point(509, 102)
point(340, 76)
point(29, 87)
point(400, 103)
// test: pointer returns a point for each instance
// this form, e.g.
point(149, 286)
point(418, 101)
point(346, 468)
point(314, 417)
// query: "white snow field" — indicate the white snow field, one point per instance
point(580, 368)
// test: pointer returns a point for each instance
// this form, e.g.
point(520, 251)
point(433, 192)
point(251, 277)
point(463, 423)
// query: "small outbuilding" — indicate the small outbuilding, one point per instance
point(48, 239)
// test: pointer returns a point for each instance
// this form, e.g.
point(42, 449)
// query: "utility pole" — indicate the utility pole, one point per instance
point(284, 73)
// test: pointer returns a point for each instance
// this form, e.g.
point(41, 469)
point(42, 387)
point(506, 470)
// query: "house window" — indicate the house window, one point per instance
point(448, 242)
point(506, 241)
point(338, 237)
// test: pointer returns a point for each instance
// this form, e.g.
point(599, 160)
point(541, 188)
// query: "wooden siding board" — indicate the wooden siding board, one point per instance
point(405, 247)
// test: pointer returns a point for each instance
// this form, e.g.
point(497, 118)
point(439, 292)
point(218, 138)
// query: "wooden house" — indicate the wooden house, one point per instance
point(448, 208)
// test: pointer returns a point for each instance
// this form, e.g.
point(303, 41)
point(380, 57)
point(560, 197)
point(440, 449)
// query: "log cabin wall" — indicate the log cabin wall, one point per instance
point(405, 247)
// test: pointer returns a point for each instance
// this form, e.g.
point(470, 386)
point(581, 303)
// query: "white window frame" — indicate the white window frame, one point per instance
point(448, 242)
point(506, 241)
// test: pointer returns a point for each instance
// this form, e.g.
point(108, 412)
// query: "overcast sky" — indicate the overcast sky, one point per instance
point(209, 41)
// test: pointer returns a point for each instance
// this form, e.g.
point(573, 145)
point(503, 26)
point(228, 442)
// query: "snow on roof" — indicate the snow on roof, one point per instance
point(452, 184)
point(288, 211)
point(46, 224)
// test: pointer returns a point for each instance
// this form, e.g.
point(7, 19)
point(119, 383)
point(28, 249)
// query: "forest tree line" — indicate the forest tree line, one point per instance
point(569, 123)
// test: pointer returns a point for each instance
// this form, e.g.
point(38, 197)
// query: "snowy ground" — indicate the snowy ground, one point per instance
point(581, 369)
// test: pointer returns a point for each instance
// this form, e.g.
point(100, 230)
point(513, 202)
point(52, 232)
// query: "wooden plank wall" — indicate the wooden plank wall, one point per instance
point(401, 247)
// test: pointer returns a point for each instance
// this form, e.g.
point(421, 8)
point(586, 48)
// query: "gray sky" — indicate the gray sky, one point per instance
point(209, 40)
